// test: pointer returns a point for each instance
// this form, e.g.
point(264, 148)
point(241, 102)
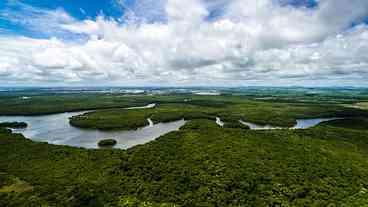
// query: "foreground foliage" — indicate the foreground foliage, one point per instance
point(200, 165)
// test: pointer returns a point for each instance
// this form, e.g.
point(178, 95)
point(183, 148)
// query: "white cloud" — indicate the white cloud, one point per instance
point(36, 19)
point(252, 42)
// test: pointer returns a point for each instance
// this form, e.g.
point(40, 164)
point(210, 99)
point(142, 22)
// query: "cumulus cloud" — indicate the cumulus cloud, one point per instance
point(248, 42)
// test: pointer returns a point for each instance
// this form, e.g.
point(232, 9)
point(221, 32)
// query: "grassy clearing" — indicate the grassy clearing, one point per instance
point(13, 185)
point(359, 105)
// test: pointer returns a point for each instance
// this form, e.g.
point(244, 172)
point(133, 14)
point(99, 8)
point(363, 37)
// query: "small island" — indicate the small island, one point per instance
point(107, 143)
point(14, 125)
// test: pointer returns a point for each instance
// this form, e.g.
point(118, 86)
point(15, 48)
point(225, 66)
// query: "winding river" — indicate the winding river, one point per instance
point(300, 124)
point(55, 129)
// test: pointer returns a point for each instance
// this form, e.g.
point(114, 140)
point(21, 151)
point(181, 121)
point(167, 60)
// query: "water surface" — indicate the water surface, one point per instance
point(300, 124)
point(254, 126)
point(308, 123)
point(55, 129)
point(219, 122)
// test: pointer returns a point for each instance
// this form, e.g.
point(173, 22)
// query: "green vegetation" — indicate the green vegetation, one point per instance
point(133, 119)
point(200, 165)
point(359, 105)
point(13, 185)
point(281, 100)
point(277, 114)
point(48, 104)
point(352, 123)
point(236, 125)
point(107, 143)
point(108, 119)
point(200, 124)
point(13, 125)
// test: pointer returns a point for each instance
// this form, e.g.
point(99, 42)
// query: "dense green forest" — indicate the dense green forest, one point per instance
point(278, 114)
point(202, 164)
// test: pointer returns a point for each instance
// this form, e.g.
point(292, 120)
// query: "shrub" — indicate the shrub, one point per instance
point(107, 143)
point(13, 124)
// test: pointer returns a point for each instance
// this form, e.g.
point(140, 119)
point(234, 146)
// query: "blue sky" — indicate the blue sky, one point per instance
point(176, 42)
point(90, 9)
point(79, 9)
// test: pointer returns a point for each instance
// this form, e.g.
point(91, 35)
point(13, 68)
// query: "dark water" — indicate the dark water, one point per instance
point(55, 129)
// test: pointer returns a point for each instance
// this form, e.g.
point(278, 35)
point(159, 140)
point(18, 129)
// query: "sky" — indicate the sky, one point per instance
point(184, 43)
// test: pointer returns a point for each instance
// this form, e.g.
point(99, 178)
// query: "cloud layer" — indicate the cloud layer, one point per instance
point(194, 42)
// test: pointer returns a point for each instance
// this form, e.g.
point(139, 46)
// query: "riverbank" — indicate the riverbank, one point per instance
point(140, 124)
point(200, 164)
point(55, 129)
point(282, 115)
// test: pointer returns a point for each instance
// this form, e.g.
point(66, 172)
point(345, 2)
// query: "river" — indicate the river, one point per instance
point(55, 129)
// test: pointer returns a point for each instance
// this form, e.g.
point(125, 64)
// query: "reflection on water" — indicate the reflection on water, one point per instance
point(258, 127)
point(308, 123)
point(219, 122)
point(55, 129)
point(149, 106)
point(301, 124)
